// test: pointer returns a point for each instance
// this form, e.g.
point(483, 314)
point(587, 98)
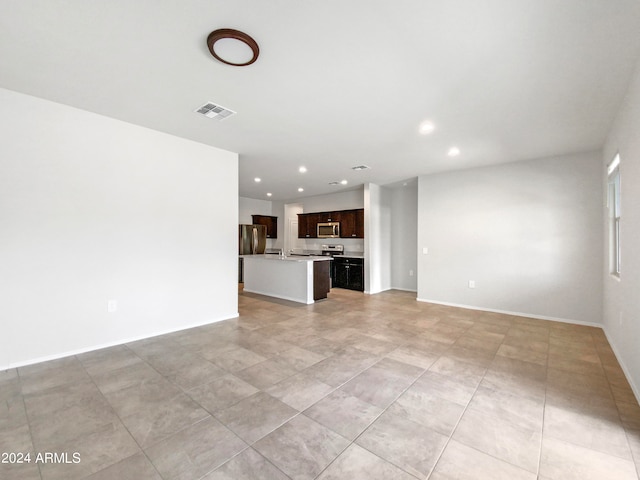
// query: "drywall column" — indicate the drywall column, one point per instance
point(377, 238)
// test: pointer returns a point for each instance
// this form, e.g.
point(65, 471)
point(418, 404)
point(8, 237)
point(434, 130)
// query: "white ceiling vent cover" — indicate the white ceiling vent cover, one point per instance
point(212, 110)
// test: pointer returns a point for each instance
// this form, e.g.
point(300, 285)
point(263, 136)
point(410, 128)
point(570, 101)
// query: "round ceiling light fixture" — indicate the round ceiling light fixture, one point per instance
point(233, 47)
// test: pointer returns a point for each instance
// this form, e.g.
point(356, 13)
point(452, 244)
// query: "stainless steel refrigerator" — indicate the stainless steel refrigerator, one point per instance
point(253, 241)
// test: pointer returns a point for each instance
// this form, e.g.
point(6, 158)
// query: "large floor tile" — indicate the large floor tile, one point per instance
point(406, 444)
point(300, 391)
point(136, 467)
point(99, 449)
point(566, 461)
point(301, 448)
point(460, 462)
point(422, 405)
point(499, 438)
point(382, 383)
point(356, 463)
point(107, 359)
point(264, 374)
point(195, 451)
point(342, 366)
point(347, 415)
point(526, 412)
point(237, 359)
point(591, 429)
point(17, 439)
point(256, 416)
point(222, 393)
point(248, 465)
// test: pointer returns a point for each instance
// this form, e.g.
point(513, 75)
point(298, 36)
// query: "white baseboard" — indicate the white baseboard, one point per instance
point(110, 344)
point(517, 314)
point(404, 289)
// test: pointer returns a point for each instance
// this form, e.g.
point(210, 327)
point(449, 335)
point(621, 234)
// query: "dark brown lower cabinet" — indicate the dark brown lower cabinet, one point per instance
point(321, 279)
point(348, 273)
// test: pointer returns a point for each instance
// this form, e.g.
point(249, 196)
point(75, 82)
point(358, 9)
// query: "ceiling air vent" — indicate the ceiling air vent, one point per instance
point(212, 110)
point(360, 167)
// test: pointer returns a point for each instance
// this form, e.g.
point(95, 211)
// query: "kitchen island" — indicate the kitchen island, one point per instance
point(303, 279)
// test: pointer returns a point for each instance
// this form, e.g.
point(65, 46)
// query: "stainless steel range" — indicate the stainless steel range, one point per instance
point(332, 251)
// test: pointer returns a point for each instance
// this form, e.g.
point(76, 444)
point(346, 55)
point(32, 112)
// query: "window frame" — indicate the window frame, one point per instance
point(614, 201)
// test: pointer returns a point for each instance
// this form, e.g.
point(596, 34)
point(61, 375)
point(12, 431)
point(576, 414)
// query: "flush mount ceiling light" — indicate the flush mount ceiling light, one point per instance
point(233, 47)
point(301, 189)
point(257, 179)
point(453, 152)
point(269, 194)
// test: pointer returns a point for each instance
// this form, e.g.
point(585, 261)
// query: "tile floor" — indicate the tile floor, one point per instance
point(354, 387)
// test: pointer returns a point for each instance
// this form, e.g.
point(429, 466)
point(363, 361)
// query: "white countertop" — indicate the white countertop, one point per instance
point(288, 258)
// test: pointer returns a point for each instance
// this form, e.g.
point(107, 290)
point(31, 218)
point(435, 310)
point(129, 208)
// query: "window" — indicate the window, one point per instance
point(613, 172)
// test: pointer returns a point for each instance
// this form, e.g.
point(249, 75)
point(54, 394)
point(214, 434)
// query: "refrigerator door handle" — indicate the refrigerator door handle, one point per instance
point(255, 240)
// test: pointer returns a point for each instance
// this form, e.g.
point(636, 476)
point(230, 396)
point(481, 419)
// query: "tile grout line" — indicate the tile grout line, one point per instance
point(26, 414)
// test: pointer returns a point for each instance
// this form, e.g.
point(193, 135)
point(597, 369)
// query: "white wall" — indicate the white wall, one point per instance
point(349, 200)
point(404, 237)
point(250, 206)
point(94, 209)
point(622, 297)
point(377, 238)
point(528, 233)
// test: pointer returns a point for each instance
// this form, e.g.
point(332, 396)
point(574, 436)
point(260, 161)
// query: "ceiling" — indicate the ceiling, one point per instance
point(338, 83)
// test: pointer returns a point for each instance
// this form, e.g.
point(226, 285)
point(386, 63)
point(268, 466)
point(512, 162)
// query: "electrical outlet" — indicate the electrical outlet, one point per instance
point(112, 306)
point(472, 284)
point(411, 273)
point(425, 251)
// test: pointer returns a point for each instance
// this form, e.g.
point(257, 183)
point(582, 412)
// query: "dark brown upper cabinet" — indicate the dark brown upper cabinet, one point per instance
point(307, 225)
point(351, 223)
point(270, 222)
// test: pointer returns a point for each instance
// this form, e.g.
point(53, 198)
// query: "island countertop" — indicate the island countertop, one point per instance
point(290, 258)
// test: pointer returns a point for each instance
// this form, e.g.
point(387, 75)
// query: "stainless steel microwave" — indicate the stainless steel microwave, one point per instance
point(329, 230)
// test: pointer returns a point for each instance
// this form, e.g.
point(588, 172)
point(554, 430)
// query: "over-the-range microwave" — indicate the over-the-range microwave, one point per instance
point(329, 230)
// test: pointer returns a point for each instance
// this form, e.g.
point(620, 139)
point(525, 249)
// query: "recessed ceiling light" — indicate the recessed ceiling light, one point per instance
point(257, 180)
point(302, 169)
point(301, 189)
point(426, 128)
point(233, 47)
point(343, 182)
point(269, 194)
point(360, 167)
point(453, 152)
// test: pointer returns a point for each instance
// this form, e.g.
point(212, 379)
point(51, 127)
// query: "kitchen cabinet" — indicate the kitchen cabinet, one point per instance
point(329, 216)
point(307, 225)
point(351, 223)
point(348, 273)
point(270, 222)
